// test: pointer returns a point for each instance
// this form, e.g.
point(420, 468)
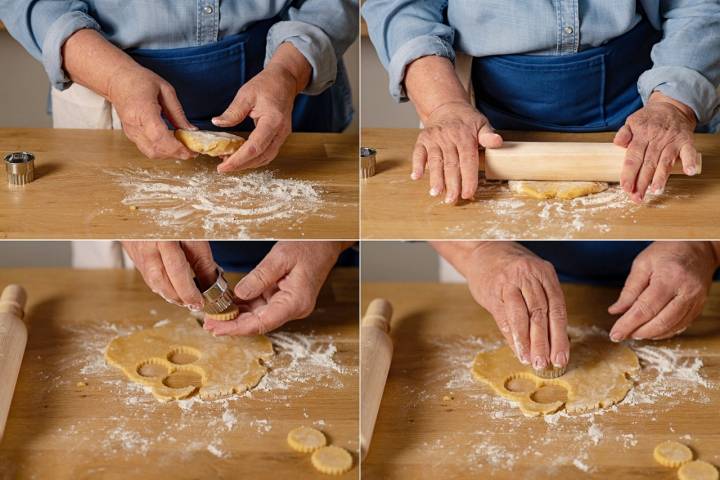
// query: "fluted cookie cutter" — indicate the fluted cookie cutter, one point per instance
point(20, 168)
point(367, 162)
point(219, 296)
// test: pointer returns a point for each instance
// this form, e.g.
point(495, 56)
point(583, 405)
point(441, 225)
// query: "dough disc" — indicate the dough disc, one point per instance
point(672, 454)
point(543, 190)
point(179, 358)
point(698, 470)
point(596, 377)
point(306, 439)
point(332, 460)
point(209, 143)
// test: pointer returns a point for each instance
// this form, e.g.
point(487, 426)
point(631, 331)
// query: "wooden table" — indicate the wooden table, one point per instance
point(96, 184)
point(436, 421)
point(110, 429)
point(395, 207)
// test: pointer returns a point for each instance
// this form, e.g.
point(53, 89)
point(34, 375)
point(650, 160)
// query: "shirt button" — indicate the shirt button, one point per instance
point(208, 9)
point(569, 30)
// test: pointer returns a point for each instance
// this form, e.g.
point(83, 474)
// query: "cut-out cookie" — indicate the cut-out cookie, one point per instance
point(332, 460)
point(180, 358)
point(306, 439)
point(698, 470)
point(597, 377)
point(672, 454)
point(543, 190)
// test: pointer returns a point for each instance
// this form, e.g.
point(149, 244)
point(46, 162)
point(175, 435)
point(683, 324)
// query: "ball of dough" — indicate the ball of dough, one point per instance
point(332, 460)
point(698, 470)
point(214, 144)
point(672, 454)
point(543, 190)
point(306, 439)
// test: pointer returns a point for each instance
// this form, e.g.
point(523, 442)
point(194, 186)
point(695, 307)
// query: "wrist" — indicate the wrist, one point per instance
point(289, 62)
point(687, 112)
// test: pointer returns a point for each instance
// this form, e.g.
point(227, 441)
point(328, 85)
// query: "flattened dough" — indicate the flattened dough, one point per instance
point(332, 460)
point(179, 358)
point(672, 454)
point(306, 439)
point(698, 470)
point(543, 190)
point(596, 378)
point(214, 144)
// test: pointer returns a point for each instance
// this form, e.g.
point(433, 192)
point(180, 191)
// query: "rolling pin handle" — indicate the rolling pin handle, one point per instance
point(12, 300)
point(378, 314)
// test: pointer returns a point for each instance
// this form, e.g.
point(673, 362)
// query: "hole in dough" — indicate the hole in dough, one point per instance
point(519, 384)
point(150, 368)
point(182, 379)
point(549, 394)
point(182, 356)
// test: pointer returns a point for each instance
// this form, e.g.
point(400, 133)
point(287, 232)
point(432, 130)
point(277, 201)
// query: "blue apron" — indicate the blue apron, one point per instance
point(234, 256)
point(589, 91)
point(206, 79)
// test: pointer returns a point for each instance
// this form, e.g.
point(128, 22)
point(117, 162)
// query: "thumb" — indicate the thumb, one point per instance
point(172, 108)
point(623, 137)
point(267, 273)
point(635, 284)
point(235, 113)
point(488, 138)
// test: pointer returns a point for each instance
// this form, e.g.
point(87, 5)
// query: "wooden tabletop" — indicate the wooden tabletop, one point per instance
point(113, 430)
point(436, 421)
point(96, 184)
point(395, 207)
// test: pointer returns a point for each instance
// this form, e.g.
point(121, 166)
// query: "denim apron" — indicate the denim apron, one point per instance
point(206, 79)
point(235, 256)
point(590, 91)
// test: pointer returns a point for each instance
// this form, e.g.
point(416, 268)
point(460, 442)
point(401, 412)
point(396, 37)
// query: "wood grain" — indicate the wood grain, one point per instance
point(74, 194)
point(422, 433)
point(395, 207)
point(58, 429)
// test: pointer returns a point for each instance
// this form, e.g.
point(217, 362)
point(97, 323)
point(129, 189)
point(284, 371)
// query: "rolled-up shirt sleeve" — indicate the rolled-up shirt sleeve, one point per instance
point(321, 30)
point(403, 31)
point(43, 26)
point(686, 62)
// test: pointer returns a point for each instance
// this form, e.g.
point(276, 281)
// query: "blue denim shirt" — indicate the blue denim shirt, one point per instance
point(320, 29)
point(686, 61)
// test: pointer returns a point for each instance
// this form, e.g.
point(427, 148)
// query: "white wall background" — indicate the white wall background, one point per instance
point(398, 262)
point(34, 254)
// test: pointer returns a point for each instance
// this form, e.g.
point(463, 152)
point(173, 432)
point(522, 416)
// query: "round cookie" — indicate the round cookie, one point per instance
point(332, 460)
point(214, 144)
point(698, 470)
point(306, 439)
point(672, 454)
point(229, 313)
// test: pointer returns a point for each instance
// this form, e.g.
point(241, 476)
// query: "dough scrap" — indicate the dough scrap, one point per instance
point(698, 470)
point(332, 460)
point(672, 454)
point(210, 143)
point(180, 358)
point(597, 377)
point(543, 190)
point(306, 439)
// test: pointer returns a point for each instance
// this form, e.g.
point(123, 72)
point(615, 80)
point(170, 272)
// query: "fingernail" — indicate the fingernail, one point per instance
point(638, 337)
point(560, 360)
point(193, 128)
point(524, 358)
point(414, 176)
point(691, 170)
point(539, 363)
point(217, 121)
point(195, 307)
point(434, 192)
point(659, 190)
point(615, 337)
point(448, 200)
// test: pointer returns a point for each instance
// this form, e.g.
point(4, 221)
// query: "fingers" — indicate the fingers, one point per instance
point(419, 159)
point(180, 274)
point(557, 313)
point(281, 308)
point(235, 113)
point(157, 142)
point(469, 166)
point(648, 304)
point(637, 281)
point(267, 273)
point(538, 308)
point(662, 174)
point(633, 162)
point(200, 258)
point(647, 170)
point(451, 172)
point(172, 108)
point(623, 137)
point(488, 138)
point(688, 156)
point(435, 166)
point(517, 317)
point(153, 272)
point(668, 322)
point(262, 146)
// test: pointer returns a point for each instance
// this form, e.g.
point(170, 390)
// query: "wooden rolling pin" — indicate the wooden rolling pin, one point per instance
point(13, 337)
point(376, 350)
point(558, 161)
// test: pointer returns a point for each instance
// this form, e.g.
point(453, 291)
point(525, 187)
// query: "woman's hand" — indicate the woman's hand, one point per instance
point(268, 99)
point(448, 146)
point(283, 287)
point(655, 137)
point(523, 294)
point(169, 268)
point(665, 291)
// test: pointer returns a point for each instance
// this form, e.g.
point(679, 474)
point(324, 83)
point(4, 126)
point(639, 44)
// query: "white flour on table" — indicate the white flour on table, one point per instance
point(220, 204)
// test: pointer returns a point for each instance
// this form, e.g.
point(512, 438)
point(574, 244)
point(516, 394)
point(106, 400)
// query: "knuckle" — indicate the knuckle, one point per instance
point(538, 316)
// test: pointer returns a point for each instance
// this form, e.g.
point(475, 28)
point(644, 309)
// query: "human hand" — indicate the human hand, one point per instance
point(268, 99)
point(140, 96)
point(448, 145)
point(655, 136)
point(523, 294)
point(168, 268)
point(284, 286)
point(665, 291)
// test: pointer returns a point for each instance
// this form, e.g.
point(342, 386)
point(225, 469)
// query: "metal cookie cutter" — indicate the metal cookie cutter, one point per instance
point(218, 296)
point(367, 162)
point(20, 168)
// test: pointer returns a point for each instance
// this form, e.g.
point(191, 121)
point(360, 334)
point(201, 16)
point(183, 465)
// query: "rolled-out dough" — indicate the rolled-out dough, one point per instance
point(180, 358)
point(596, 377)
point(543, 190)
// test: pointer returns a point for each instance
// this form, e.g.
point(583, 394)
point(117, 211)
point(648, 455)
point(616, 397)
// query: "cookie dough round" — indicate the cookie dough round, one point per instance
point(562, 190)
point(229, 313)
point(306, 439)
point(332, 460)
point(214, 144)
point(672, 454)
point(698, 470)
